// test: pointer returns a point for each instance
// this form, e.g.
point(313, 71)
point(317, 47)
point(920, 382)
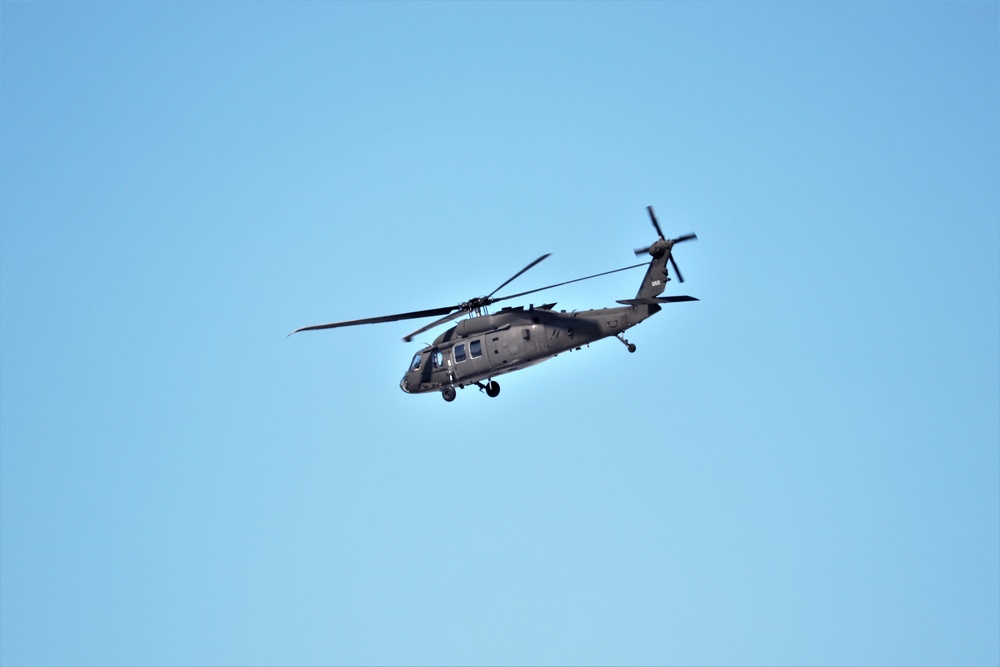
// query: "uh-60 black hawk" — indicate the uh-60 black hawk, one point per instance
point(485, 345)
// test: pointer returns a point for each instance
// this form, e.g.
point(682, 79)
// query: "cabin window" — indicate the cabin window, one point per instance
point(460, 353)
point(415, 364)
point(476, 348)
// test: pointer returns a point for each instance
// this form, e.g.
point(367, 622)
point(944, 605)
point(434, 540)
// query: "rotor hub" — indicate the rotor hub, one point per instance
point(660, 247)
point(477, 303)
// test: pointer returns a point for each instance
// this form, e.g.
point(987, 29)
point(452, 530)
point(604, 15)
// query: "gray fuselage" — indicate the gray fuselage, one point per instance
point(484, 347)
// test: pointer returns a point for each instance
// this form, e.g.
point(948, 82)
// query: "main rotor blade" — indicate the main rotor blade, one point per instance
point(375, 320)
point(596, 275)
point(447, 318)
point(674, 264)
point(511, 279)
point(652, 216)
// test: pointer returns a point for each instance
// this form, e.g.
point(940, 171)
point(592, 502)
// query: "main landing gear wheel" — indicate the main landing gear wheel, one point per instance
point(631, 347)
point(492, 389)
point(448, 393)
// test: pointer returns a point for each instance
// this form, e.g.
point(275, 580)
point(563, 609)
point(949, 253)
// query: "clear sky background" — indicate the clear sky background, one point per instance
point(803, 468)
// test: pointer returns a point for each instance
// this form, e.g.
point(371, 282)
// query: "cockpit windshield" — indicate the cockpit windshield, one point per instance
point(415, 364)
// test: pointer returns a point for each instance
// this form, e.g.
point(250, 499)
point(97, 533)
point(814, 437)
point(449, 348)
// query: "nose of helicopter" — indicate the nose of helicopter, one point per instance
point(404, 385)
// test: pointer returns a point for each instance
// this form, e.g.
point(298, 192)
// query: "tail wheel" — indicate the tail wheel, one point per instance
point(448, 393)
point(492, 389)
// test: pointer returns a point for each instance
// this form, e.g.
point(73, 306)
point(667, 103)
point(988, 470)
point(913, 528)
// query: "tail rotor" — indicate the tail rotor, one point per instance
point(664, 245)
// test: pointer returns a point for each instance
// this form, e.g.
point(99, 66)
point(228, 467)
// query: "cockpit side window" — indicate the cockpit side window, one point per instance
point(415, 364)
point(460, 353)
point(437, 359)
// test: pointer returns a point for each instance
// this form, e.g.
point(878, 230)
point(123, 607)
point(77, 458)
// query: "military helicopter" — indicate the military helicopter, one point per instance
point(485, 345)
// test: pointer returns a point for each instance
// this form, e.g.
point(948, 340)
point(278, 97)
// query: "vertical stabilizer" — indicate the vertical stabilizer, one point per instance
point(655, 280)
point(656, 277)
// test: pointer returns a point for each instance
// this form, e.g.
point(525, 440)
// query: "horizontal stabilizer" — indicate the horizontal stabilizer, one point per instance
point(654, 300)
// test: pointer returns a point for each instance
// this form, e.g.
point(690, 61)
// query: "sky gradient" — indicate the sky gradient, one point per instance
point(801, 468)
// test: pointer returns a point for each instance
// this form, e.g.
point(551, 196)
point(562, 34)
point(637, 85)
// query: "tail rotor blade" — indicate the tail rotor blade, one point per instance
point(639, 252)
point(652, 216)
point(676, 269)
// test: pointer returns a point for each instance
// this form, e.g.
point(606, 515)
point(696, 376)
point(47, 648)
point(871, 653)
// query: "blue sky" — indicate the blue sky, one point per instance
point(802, 468)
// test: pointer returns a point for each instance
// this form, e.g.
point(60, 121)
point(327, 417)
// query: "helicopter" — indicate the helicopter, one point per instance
point(485, 346)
